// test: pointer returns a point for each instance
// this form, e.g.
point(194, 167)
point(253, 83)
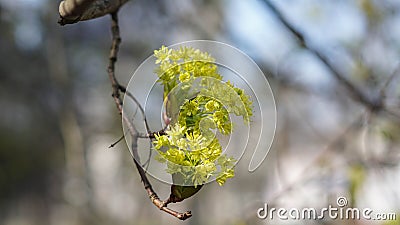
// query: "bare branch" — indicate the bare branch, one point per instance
point(116, 87)
point(116, 40)
point(123, 89)
point(73, 11)
point(116, 142)
point(395, 72)
point(152, 134)
point(375, 104)
point(149, 189)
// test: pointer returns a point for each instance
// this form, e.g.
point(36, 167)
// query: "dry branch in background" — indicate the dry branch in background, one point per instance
point(373, 103)
point(73, 11)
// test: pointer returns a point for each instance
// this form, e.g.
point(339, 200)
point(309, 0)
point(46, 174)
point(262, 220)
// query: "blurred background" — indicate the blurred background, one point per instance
point(58, 118)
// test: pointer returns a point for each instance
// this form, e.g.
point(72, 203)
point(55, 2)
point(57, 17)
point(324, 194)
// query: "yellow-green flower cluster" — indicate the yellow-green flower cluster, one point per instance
point(234, 99)
point(183, 64)
point(190, 147)
point(193, 156)
point(203, 113)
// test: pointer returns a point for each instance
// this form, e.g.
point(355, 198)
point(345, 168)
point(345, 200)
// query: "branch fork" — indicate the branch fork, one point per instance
point(117, 88)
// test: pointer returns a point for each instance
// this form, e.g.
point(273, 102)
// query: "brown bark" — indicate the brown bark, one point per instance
point(73, 11)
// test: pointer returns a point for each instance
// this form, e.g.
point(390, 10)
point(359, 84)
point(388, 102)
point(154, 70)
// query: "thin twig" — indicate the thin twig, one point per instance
point(116, 40)
point(116, 142)
point(130, 95)
point(395, 72)
point(152, 135)
point(123, 89)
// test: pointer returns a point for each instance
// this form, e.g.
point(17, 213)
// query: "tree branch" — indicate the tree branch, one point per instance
point(395, 73)
point(73, 11)
point(116, 87)
point(116, 40)
point(373, 103)
point(153, 134)
point(149, 189)
point(130, 95)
